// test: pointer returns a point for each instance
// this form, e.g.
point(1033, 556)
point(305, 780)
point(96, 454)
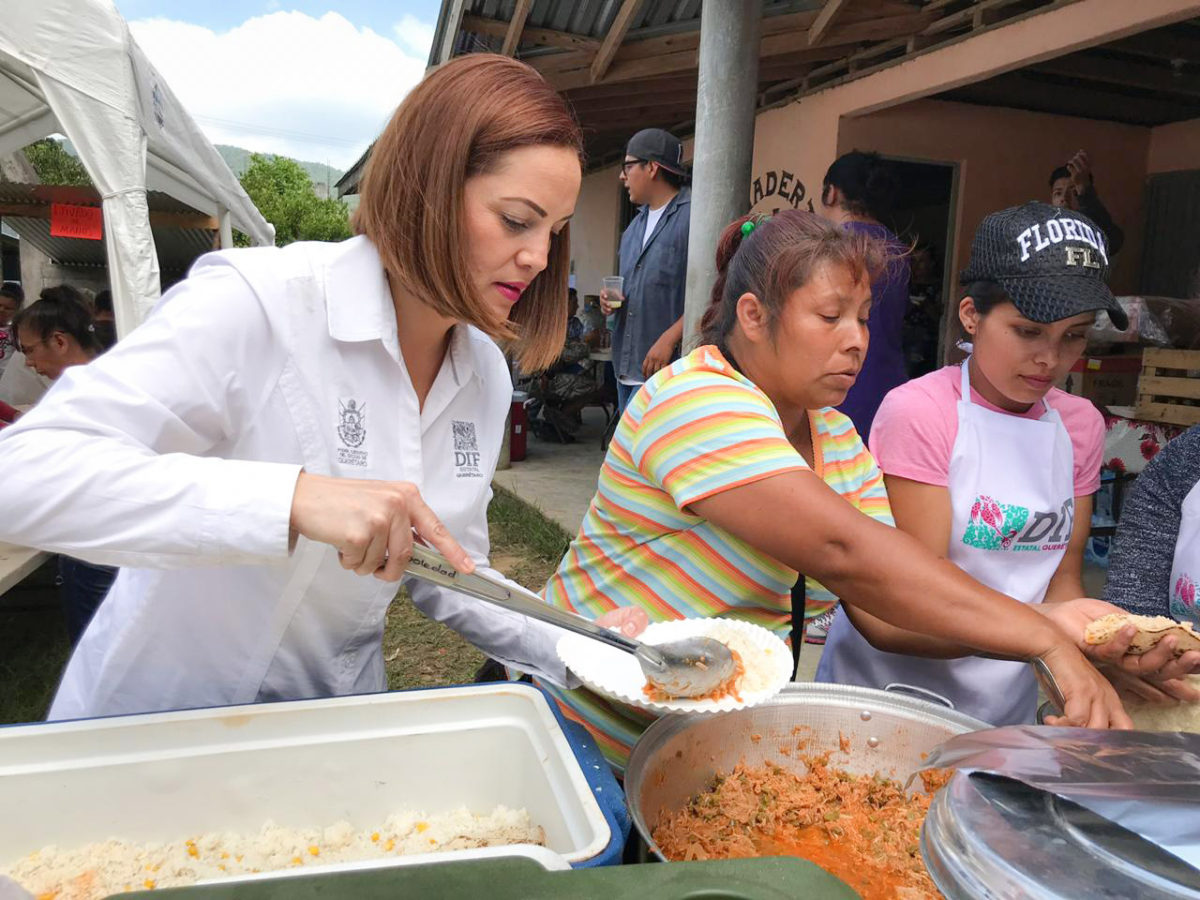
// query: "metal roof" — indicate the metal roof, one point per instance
point(625, 72)
point(594, 18)
point(177, 247)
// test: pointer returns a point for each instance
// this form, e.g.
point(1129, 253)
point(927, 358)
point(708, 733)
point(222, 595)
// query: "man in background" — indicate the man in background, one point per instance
point(653, 261)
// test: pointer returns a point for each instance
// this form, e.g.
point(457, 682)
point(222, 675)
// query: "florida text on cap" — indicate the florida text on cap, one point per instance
point(1052, 263)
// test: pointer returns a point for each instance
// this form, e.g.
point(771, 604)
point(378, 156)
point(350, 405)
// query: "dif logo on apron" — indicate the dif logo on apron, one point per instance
point(1183, 599)
point(1002, 526)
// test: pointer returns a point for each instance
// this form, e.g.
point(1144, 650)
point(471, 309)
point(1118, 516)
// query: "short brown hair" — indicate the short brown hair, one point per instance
point(455, 124)
point(777, 256)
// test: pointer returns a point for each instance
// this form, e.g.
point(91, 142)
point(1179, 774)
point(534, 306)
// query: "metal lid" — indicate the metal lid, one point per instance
point(989, 836)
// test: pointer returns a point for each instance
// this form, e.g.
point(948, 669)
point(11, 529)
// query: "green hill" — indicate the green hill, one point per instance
point(238, 159)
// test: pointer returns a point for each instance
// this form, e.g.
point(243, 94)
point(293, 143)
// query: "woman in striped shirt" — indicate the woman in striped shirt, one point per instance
point(730, 472)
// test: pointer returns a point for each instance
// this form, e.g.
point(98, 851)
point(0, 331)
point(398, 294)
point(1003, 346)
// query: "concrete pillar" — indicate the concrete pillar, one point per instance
point(725, 101)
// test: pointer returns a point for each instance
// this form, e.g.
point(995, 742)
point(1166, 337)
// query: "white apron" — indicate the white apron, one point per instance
point(1185, 570)
point(1012, 493)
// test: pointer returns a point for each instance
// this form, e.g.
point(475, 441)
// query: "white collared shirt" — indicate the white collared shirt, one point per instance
point(175, 456)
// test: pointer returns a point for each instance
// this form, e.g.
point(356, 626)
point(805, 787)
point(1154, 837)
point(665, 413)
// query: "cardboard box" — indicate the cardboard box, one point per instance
point(1105, 380)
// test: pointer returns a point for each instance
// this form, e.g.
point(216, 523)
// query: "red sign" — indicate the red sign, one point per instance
point(85, 222)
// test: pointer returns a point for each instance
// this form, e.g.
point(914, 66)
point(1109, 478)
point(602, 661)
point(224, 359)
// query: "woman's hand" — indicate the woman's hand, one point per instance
point(1091, 702)
point(371, 523)
point(1159, 692)
point(1158, 664)
point(629, 620)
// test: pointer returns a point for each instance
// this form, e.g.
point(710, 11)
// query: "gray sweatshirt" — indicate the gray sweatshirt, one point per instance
point(1139, 572)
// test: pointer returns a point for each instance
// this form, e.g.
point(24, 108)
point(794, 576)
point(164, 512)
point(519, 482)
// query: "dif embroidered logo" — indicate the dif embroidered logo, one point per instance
point(466, 450)
point(352, 432)
point(1183, 599)
point(1001, 526)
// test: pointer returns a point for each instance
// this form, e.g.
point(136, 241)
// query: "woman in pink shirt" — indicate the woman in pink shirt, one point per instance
point(991, 466)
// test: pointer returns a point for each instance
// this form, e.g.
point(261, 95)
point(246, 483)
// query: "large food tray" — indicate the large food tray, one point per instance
point(303, 764)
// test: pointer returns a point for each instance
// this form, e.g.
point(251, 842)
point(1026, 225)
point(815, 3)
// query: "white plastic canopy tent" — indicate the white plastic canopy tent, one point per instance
point(72, 67)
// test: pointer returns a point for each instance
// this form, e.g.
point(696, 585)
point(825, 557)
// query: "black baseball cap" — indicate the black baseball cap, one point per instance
point(1052, 262)
point(658, 146)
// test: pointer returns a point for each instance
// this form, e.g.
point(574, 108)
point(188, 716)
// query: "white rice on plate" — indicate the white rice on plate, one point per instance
point(758, 668)
point(98, 870)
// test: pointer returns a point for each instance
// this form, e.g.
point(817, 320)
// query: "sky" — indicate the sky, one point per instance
point(308, 79)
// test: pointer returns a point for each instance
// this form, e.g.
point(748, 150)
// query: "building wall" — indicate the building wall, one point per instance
point(1174, 147)
point(38, 272)
point(794, 144)
point(1006, 157)
point(594, 234)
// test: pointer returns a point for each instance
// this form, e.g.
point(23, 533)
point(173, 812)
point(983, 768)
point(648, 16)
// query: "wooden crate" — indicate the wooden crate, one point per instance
point(1169, 387)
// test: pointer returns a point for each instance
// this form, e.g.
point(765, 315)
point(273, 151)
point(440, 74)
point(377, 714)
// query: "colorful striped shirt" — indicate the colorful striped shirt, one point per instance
point(696, 429)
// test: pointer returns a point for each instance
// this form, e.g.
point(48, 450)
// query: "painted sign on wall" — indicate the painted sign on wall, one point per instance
point(774, 189)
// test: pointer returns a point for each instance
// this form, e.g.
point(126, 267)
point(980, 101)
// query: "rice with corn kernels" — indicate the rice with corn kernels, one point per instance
point(97, 870)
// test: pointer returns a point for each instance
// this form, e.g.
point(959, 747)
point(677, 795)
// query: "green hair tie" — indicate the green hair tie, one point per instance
point(747, 227)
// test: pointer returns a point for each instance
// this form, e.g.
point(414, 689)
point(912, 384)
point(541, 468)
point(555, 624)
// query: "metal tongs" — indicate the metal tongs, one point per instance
point(1046, 678)
point(691, 667)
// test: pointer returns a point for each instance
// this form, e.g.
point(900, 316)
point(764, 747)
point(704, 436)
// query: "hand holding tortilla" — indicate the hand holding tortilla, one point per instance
point(1103, 633)
point(1149, 633)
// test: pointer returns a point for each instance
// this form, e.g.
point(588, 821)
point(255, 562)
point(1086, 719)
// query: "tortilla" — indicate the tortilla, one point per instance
point(1150, 630)
point(1178, 716)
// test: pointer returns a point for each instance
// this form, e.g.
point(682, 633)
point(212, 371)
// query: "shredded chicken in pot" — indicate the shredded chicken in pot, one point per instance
point(861, 828)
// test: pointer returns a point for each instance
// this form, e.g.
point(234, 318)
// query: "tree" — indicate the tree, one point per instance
point(284, 194)
point(54, 165)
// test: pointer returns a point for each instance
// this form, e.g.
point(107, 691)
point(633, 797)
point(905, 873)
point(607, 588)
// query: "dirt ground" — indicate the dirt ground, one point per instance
point(422, 653)
point(419, 653)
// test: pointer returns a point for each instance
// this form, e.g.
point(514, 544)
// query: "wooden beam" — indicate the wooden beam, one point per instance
point(606, 90)
point(828, 15)
point(1085, 67)
point(926, 42)
point(651, 118)
point(542, 37)
point(973, 16)
point(517, 24)
point(679, 53)
point(593, 105)
point(1025, 90)
point(850, 33)
point(1161, 43)
point(162, 219)
point(614, 38)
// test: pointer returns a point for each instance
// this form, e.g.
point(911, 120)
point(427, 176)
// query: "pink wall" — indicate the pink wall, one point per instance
point(594, 230)
point(1006, 157)
point(1174, 147)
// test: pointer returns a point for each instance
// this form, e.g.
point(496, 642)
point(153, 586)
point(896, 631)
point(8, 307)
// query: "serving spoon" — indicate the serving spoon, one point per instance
point(690, 667)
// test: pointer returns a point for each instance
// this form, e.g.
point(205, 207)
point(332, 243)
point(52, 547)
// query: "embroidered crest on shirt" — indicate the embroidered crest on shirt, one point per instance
point(1001, 526)
point(466, 450)
point(352, 431)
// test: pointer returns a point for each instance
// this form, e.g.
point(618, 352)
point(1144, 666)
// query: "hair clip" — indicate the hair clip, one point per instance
point(750, 224)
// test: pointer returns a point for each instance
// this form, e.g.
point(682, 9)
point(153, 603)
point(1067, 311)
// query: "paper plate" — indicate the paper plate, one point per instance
point(617, 675)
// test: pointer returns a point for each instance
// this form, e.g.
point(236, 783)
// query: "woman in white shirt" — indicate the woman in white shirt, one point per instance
point(287, 419)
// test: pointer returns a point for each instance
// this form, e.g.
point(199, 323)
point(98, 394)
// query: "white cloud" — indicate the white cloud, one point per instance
point(316, 89)
point(414, 34)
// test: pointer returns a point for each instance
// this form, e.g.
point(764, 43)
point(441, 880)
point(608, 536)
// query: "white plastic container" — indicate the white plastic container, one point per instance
point(303, 764)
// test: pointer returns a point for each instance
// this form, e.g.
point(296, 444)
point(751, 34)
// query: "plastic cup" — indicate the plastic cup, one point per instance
point(614, 290)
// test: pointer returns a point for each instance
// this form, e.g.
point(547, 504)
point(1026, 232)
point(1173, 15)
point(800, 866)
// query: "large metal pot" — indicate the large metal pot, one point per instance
point(678, 756)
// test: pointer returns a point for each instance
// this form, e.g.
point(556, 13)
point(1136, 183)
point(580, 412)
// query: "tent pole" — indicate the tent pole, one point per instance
point(225, 227)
